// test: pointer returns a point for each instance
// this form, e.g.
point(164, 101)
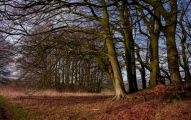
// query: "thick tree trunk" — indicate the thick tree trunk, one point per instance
point(172, 56)
point(154, 32)
point(129, 67)
point(118, 80)
point(172, 53)
point(129, 47)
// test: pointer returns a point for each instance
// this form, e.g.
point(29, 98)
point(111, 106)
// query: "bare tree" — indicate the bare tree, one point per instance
point(6, 58)
point(96, 35)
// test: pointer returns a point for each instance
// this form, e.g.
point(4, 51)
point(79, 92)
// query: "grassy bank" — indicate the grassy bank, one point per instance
point(10, 111)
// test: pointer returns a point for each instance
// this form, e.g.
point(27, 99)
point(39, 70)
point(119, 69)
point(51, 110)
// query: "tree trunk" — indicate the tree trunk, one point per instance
point(186, 67)
point(142, 69)
point(133, 64)
point(144, 82)
point(118, 80)
point(172, 56)
point(184, 57)
point(154, 61)
point(129, 47)
point(154, 33)
point(172, 53)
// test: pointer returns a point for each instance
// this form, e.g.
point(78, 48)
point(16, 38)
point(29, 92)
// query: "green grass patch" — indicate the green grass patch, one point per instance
point(2, 100)
point(13, 111)
point(17, 113)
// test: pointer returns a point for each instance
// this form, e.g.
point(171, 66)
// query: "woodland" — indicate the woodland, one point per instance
point(88, 45)
point(139, 50)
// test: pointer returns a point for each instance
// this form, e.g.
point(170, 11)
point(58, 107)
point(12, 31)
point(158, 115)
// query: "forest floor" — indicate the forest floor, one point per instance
point(149, 104)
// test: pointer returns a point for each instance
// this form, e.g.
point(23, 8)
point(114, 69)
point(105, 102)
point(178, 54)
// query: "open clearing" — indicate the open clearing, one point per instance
point(151, 104)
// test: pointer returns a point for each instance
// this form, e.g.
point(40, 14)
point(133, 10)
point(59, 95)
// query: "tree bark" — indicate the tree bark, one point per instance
point(118, 80)
point(153, 27)
point(186, 67)
point(172, 53)
point(154, 61)
point(142, 69)
point(184, 57)
point(129, 47)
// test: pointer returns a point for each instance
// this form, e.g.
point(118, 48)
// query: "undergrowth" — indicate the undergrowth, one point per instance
point(12, 111)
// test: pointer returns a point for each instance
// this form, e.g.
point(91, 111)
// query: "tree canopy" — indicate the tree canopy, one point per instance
point(82, 43)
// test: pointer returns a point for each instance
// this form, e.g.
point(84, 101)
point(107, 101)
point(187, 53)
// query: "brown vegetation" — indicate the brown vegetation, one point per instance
point(150, 104)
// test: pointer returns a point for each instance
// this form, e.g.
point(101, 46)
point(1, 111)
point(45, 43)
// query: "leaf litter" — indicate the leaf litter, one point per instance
point(149, 104)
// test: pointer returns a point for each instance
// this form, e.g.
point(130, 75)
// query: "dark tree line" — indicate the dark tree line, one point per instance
point(5, 59)
point(60, 61)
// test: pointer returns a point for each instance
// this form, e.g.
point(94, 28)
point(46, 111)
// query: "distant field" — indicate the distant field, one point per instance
point(51, 105)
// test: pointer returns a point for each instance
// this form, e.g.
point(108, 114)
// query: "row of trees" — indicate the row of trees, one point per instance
point(52, 62)
point(5, 60)
point(82, 41)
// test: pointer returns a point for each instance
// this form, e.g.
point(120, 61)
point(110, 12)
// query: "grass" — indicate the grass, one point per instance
point(17, 113)
point(11, 111)
point(2, 103)
point(52, 105)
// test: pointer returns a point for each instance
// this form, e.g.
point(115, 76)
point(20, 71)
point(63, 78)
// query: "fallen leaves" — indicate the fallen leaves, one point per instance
point(95, 107)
